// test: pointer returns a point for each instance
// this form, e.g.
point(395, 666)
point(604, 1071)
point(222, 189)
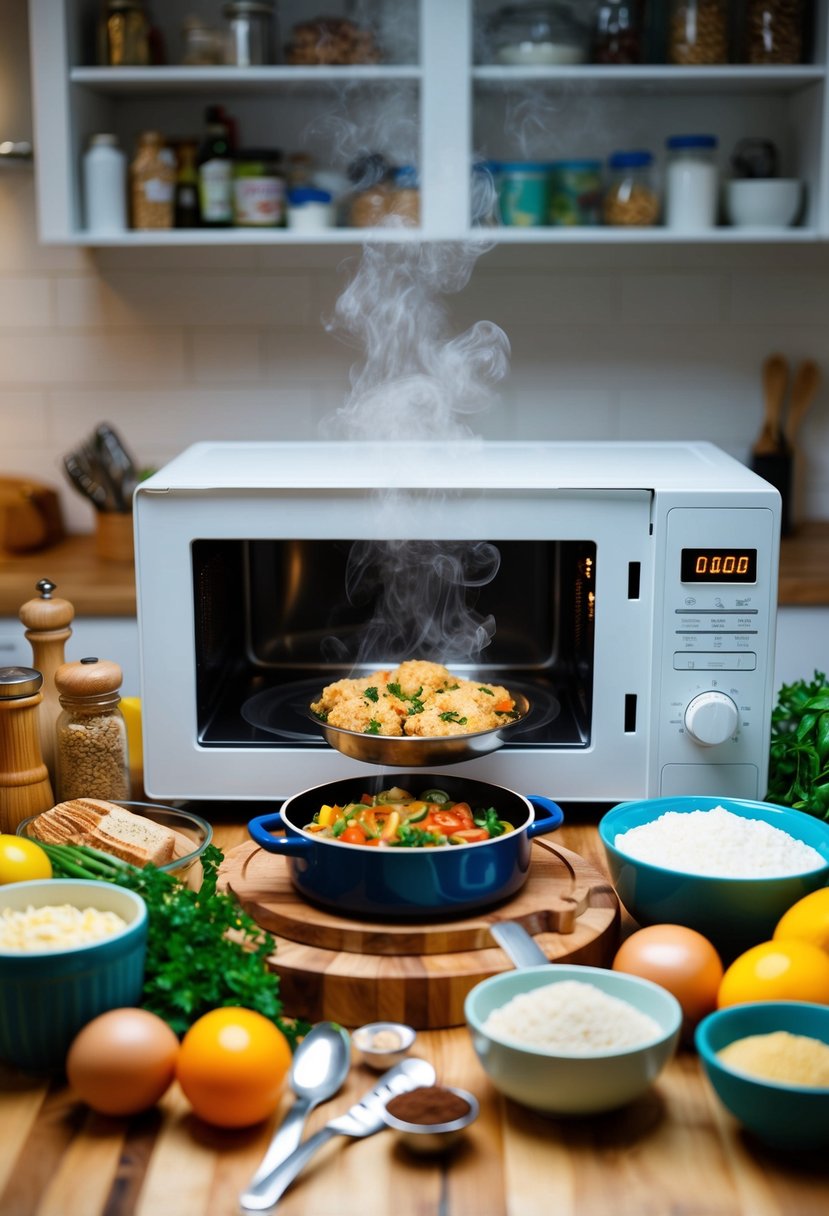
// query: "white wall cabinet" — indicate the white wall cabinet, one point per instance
point(430, 105)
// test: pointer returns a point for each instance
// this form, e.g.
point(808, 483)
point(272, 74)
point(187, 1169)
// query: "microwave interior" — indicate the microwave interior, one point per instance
point(277, 620)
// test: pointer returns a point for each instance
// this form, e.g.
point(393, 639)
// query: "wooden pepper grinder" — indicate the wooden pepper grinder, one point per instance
point(47, 619)
point(25, 788)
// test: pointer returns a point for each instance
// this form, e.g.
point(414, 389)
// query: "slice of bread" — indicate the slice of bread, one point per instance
point(114, 829)
point(133, 838)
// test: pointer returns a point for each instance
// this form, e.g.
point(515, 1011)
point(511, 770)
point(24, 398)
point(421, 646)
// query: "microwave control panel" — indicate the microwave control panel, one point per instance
point(717, 636)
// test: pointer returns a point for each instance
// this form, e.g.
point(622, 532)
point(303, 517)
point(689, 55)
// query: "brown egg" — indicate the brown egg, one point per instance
point(679, 959)
point(122, 1062)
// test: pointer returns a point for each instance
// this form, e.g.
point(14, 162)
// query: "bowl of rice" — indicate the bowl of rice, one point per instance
point(569, 1039)
point(768, 1063)
point(69, 950)
point(727, 867)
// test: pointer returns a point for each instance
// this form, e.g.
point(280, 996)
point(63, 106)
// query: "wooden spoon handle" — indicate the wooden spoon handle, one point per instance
point(804, 390)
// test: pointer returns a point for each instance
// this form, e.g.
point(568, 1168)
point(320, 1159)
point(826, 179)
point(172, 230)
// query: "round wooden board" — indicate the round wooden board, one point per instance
point(352, 971)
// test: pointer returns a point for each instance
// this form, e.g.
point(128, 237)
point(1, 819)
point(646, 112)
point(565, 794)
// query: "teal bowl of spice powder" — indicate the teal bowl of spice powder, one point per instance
point(768, 1063)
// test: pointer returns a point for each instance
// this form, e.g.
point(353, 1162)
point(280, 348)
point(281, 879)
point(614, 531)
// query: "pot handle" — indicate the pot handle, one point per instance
point(260, 829)
point(553, 818)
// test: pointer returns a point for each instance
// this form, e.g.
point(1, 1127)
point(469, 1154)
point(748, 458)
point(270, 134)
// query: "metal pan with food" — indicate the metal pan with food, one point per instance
point(417, 714)
point(432, 864)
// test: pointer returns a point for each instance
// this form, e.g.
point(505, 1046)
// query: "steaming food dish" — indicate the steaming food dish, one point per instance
point(394, 818)
point(416, 698)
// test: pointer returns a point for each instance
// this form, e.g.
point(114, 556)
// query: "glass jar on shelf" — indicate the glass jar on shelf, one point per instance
point(152, 183)
point(124, 35)
point(631, 197)
point(698, 32)
point(774, 31)
point(532, 34)
point(617, 36)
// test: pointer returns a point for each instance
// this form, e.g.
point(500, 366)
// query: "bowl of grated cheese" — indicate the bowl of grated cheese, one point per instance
point(69, 950)
point(727, 867)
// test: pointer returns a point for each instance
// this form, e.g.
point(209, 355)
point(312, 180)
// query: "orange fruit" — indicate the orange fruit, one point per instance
point(806, 921)
point(777, 971)
point(232, 1065)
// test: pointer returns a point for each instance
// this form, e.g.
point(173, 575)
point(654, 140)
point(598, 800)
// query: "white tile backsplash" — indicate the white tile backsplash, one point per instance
point(176, 345)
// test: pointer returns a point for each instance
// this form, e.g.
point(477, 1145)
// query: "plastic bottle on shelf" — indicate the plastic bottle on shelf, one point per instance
point(215, 165)
point(691, 183)
point(105, 185)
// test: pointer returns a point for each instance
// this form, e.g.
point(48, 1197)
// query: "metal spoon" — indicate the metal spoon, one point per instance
point(320, 1065)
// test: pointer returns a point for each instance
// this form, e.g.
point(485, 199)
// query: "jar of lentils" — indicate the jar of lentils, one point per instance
point(698, 32)
point(774, 31)
point(91, 735)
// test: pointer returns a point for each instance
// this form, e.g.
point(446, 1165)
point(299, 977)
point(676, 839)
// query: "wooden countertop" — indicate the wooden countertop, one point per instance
point(101, 588)
point(674, 1150)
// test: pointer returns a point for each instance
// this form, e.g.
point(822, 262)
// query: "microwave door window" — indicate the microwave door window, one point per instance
point(277, 620)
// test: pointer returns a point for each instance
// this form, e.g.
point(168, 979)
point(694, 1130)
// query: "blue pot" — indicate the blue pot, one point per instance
point(410, 883)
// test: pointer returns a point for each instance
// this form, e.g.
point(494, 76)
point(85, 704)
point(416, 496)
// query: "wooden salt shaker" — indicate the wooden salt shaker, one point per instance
point(47, 619)
point(25, 788)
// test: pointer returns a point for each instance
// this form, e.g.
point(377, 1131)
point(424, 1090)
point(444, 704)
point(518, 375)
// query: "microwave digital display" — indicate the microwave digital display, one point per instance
point(719, 566)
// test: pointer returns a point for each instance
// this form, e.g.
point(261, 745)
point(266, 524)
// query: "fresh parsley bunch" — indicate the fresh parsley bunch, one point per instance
point(799, 752)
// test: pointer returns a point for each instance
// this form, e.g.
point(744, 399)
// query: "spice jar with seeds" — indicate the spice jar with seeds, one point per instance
point(91, 735)
point(698, 32)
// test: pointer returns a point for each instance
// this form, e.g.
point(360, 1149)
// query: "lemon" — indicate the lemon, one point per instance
point(777, 971)
point(22, 860)
point(806, 921)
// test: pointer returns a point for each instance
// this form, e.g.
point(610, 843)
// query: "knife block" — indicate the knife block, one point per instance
point(114, 536)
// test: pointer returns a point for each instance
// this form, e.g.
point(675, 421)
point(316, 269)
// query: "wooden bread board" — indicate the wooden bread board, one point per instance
point(352, 971)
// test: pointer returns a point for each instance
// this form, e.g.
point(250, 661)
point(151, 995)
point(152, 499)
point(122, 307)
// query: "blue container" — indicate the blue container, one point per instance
point(734, 913)
point(407, 883)
point(523, 193)
point(48, 996)
point(790, 1117)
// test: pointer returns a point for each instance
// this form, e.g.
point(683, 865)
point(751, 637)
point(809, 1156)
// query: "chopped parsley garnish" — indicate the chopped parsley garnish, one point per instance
point(488, 691)
point(410, 837)
point(371, 694)
point(452, 715)
point(416, 706)
point(373, 727)
point(491, 821)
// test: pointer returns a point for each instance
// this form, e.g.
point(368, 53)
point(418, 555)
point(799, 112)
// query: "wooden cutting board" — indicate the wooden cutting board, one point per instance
point(352, 971)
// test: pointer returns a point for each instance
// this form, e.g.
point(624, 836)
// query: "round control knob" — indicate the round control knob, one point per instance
point(711, 718)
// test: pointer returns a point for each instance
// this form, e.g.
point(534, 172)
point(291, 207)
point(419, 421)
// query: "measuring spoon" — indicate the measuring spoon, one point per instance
point(320, 1065)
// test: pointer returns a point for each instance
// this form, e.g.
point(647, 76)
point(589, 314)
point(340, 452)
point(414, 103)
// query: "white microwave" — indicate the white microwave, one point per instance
point(627, 589)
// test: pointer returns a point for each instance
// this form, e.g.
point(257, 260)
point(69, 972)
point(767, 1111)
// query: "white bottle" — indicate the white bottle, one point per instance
point(692, 183)
point(105, 185)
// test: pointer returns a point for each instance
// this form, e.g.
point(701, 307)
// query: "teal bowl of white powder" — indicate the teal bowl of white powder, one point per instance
point(727, 867)
point(571, 1040)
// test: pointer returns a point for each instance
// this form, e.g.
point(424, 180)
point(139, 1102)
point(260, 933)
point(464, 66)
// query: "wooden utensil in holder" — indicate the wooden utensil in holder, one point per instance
point(771, 458)
point(25, 788)
point(114, 536)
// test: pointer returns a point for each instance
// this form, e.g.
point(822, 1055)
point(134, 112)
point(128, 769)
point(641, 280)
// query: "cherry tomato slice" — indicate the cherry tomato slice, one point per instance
point(354, 834)
point(449, 822)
